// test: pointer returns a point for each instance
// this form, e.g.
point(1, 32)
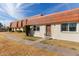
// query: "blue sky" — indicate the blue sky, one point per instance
point(16, 11)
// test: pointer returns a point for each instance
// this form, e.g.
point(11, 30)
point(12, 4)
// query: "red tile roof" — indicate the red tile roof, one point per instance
point(60, 17)
point(20, 23)
point(14, 24)
point(24, 22)
point(10, 24)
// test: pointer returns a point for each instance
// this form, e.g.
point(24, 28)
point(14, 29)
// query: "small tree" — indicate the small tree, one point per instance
point(1, 25)
point(27, 30)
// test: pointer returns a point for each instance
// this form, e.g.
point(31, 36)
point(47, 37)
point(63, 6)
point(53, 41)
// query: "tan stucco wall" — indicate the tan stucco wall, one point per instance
point(21, 29)
point(13, 29)
point(41, 32)
point(17, 29)
point(57, 34)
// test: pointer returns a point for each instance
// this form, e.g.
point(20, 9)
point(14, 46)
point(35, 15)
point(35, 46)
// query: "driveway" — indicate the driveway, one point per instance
point(61, 50)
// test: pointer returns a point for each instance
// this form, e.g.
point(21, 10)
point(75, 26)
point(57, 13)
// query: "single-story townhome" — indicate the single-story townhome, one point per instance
point(62, 25)
point(14, 25)
point(18, 25)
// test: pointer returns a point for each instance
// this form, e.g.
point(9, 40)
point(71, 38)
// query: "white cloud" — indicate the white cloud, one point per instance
point(54, 8)
point(15, 10)
point(24, 6)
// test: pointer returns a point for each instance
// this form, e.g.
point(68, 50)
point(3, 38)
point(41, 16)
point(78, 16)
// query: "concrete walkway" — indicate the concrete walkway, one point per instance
point(61, 50)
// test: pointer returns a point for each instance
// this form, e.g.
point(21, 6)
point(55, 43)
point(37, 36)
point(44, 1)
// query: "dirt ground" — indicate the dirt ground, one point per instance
point(13, 48)
point(47, 47)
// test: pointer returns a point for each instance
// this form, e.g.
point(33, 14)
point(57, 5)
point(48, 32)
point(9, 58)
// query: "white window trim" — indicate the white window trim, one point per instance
point(68, 28)
point(36, 28)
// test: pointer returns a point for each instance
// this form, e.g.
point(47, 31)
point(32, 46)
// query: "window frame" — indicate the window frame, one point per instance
point(68, 27)
point(36, 28)
point(62, 25)
point(72, 30)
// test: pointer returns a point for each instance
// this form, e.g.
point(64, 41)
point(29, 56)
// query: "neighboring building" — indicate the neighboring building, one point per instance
point(61, 25)
point(20, 25)
point(14, 25)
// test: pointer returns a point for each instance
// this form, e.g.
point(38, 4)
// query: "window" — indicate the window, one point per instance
point(68, 27)
point(72, 27)
point(64, 27)
point(36, 28)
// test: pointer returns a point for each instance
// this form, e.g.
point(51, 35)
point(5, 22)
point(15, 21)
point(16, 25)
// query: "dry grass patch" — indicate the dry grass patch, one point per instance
point(23, 36)
point(62, 43)
point(12, 48)
point(19, 34)
point(31, 38)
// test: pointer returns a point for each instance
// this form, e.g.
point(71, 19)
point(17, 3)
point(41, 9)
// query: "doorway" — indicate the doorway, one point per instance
point(48, 30)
